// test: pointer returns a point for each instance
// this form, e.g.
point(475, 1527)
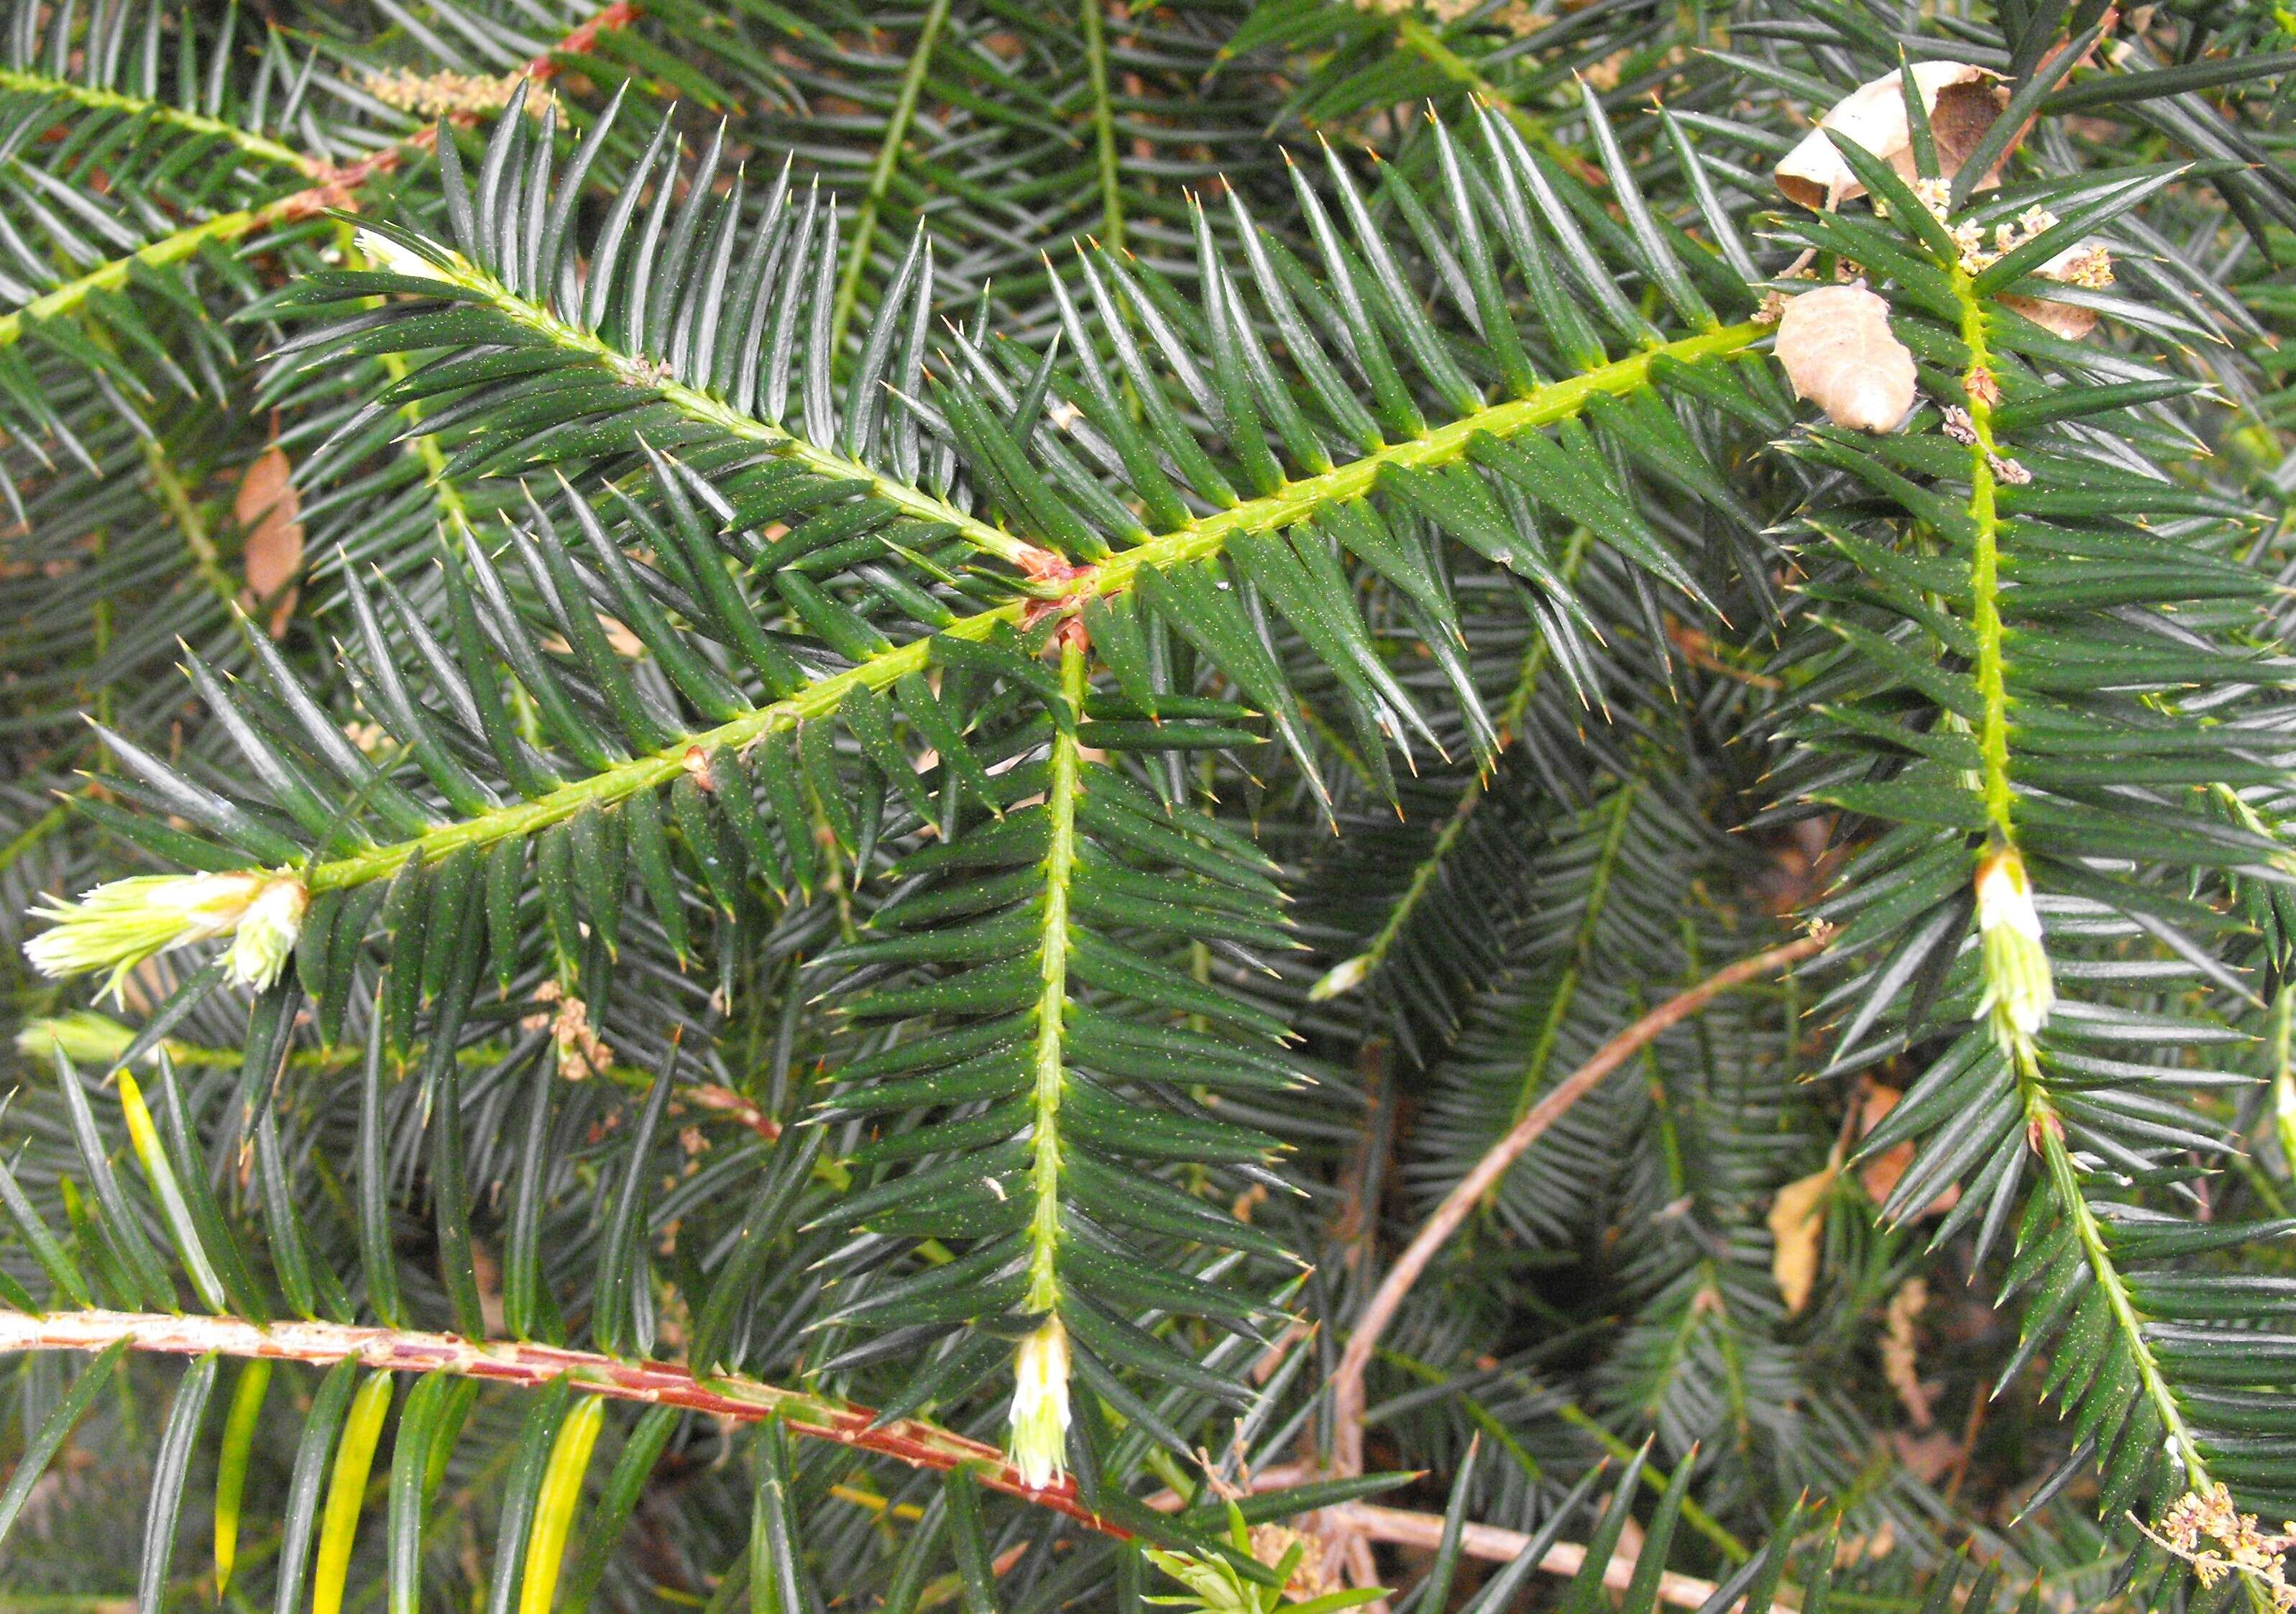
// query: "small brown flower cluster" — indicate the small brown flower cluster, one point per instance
point(581, 1054)
point(2205, 1530)
point(2008, 235)
point(444, 93)
point(2088, 264)
point(1962, 430)
point(1269, 1544)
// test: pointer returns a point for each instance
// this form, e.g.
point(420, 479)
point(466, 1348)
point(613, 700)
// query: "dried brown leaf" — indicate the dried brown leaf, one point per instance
point(2069, 320)
point(1798, 1224)
point(2085, 264)
point(1839, 352)
point(1962, 100)
point(1928, 1458)
point(270, 511)
point(1900, 1350)
point(1878, 1175)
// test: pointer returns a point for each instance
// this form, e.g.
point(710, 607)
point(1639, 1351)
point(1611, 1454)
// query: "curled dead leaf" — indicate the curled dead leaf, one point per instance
point(270, 511)
point(2085, 263)
point(1798, 1227)
point(2069, 320)
point(1849, 1549)
point(1928, 1458)
point(1878, 1175)
point(1838, 350)
point(1961, 98)
point(1900, 1350)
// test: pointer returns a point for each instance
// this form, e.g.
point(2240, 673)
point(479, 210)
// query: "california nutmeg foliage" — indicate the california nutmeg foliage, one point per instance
point(1025, 803)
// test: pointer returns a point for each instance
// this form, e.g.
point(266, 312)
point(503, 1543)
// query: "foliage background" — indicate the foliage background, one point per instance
point(1518, 747)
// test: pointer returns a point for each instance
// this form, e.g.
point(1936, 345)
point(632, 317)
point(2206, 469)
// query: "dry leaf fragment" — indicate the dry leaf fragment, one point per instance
point(1839, 352)
point(2069, 321)
point(1879, 1545)
point(1928, 1458)
point(1798, 1224)
point(270, 511)
point(2085, 264)
point(1878, 1175)
point(1900, 1354)
point(1961, 98)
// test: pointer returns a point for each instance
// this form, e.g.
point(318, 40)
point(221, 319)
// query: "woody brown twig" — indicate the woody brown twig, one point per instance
point(1492, 1545)
point(733, 1106)
point(1348, 1530)
point(733, 1396)
point(338, 187)
point(1367, 1522)
point(1348, 1383)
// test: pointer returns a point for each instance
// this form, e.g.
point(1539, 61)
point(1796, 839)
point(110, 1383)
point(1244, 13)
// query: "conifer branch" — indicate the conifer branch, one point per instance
point(1200, 539)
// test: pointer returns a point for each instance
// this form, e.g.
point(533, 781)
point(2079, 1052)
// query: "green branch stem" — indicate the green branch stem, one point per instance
point(2043, 1126)
point(1985, 569)
point(1540, 651)
point(1566, 991)
point(650, 771)
point(1424, 877)
point(16, 82)
point(1413, 34)
point(109, 276)
point(207, 559)
point(2065, 1181)
point(1296, 501)
point(1103, 127)
point(706, 409)
point(881, 172)
point(1062, 787)
point(332, 186)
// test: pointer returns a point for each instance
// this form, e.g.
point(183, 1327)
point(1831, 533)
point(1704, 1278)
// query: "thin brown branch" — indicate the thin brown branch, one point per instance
point(1365, 1522)
point(1493, 1545)
point(1348, 1383)
point(733, 1106)
point(338, 187)
point(909, 1440)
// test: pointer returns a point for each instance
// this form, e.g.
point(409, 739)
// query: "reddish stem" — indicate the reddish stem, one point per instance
point(1348, 1383)
point(337, 187)
point(743, 1400)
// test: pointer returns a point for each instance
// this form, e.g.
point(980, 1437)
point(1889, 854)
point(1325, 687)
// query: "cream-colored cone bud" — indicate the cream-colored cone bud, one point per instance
point(1040, 1405)
point(266, 938)
point(386, 253)
point(119, 924)
point(2019, 993)
point(1344, 977)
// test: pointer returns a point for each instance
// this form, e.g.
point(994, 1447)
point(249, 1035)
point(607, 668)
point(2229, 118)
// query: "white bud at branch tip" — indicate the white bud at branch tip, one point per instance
point(2019, 993)
point(1040, 1405)
point(118, 925)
